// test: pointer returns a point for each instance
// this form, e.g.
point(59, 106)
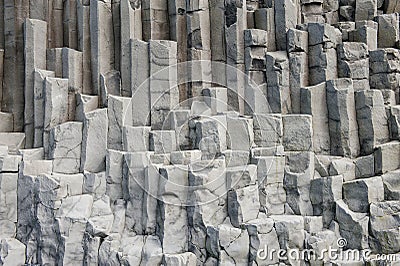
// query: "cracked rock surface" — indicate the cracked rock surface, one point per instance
point(198, 132)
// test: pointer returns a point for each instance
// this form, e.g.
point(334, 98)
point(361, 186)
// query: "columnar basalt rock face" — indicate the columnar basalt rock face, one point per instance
point(198, 132)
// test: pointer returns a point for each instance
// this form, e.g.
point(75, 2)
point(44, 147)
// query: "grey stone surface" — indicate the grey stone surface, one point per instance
point(118, 147)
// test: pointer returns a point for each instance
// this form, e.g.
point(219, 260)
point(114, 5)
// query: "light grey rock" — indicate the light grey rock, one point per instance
point(384, 226)
point(101, 40)
point(365, 10)
point(217, 99)
point(119, 115)
point(8, 192)
point(299, 172)
point(172, 223)
point(286, 17)
point(297, 40)
point(243, 204)
point(311, 99)
point(101, 219)
point(297, 132)
point(135, 138)
point(240, 134)
point(10, 163)
point(140, 83)
point(299, 74)
point(391, 186)
point(114, 171)
point(236, 158)
point(210, 135)
point(270, 176)
point(277, 72)
point(290, 231)
point(187, 259)
point(85, 104)
point(268, 130)
point(94, 141)
point(12, 252)
point(36, 167)
point(110, 84)
point(387, 157)
point(95, 184)
point(231, 241)
point(388, 30)
point(180, 123)
point(55, 105)
point(35, 34)
point(14, 141)
point(255, 37)
point(162, 141)
point(39, 104)
point(344, 167)
point(65, 142)
point(133, 185)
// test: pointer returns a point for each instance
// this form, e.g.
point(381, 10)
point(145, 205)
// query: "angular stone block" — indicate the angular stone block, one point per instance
point(372, 120)
point(352, 226)
point(299, 171)
point(342, 118)
point(94, 141)
point(387, 157)
point(313, 102)
point(65, 143)
point(297, 132)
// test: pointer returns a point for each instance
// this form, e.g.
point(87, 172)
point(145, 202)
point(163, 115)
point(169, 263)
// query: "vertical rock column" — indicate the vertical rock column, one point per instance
point(322, 58)
point(164, 94)
point(172, 214)
point(235, 23)
point(155, 20)
point(39, 104)
point(35, 57)
point(56, 106)
point(178, 33)
point(83, 20)
point(372, 120)
point(342, 118)
point(312, 11)
point(199, 46)
point(13, 83)
point(353, 63)
point(384, 73)
point(140, 82)
point(286, 17)
point(297, 47)
point(102, 40)
point(131, 28)
point(264, 19)
point(278, 89)
point(72, 70)
point(56, 32)
point(256, 42)
point(70, 24)
point(218, 45)
point(314, 102)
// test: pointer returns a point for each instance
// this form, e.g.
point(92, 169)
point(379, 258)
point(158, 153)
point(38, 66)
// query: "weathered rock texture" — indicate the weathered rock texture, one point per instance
point(197, 132)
